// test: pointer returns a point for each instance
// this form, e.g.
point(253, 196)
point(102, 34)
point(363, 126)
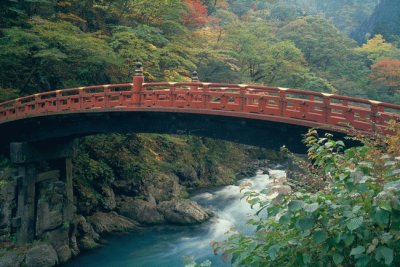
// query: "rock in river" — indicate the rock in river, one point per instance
point(184, 211)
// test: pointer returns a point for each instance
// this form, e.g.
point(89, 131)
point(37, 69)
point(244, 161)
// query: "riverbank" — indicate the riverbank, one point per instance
point(169, 245)
point(125, 183)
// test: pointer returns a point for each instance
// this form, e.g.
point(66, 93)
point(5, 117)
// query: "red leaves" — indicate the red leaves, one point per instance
point(197, 14)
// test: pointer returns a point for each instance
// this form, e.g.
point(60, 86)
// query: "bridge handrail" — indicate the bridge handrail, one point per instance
point(295, 104)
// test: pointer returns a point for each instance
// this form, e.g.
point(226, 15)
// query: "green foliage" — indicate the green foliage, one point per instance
point(6, 170)
point(353, 221)
point(129, 163)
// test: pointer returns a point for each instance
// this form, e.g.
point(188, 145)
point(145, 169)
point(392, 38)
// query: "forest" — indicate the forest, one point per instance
point(290, 43)
point(346, 47)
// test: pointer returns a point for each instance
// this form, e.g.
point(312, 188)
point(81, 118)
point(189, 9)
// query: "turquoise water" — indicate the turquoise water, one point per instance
point(165, 246)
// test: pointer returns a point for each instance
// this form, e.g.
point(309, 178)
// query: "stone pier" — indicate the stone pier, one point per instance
point(27, 157)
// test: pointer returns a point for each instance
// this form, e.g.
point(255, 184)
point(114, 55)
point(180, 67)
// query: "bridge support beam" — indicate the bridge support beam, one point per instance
point(26, 156)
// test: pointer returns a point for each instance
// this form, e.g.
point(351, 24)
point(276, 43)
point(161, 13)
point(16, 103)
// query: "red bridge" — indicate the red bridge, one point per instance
point(43, 126)
point(267, 103)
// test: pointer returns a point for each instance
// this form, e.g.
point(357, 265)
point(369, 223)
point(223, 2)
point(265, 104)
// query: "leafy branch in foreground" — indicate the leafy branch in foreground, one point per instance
point(352, 221)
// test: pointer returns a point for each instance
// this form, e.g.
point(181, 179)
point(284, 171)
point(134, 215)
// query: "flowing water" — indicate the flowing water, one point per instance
point(165, 246)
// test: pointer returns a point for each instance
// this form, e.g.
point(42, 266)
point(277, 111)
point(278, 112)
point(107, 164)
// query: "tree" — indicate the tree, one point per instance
point(197, 14)
point(37, 58)
point(377, 49)
point(329, 53)
point(387, 73)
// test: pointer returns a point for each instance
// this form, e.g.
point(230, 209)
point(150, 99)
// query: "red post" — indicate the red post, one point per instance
point(282, 101)
point(243, 99)
point(138, 80)
point(172, 96)
point(205, 96)
point(375, 115)
point(327, 107)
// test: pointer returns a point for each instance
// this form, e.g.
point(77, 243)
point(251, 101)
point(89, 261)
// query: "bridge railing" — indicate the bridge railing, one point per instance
point(328, 111)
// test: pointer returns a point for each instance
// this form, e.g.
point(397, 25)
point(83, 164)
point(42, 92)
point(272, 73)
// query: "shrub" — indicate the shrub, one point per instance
point(353, 221)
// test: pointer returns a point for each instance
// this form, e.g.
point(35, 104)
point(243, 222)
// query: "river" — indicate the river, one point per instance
point(165, 246)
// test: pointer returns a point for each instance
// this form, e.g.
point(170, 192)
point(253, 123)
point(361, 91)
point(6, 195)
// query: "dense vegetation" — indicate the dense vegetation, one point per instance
point(288, 43)
point(130, 164)
point(351, 219)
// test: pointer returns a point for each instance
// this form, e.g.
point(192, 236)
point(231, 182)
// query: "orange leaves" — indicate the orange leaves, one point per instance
point(197, 13)
point(387, 73)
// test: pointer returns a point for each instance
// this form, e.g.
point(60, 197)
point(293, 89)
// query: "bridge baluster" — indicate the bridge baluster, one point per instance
point(189, 97)
point(262, 103)
point(243, 98)
point(206, 97)
point(172, 96)
point(376, 119)
point(282, 101)
point(326, 108)
point(58, 99)
point(107, 96)
point(223, 100)
point(81, 95)
point(348, 112)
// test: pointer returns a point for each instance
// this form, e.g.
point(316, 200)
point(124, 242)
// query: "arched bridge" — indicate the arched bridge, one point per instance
point(41, 126)
point(62, 113)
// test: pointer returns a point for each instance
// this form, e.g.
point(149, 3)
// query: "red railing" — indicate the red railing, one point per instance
point(307, 108)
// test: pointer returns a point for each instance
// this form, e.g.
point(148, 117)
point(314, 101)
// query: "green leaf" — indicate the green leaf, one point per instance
point(337, 258)
point(295, 205)
point(306, 258)
point(320, 236)
point(355, 223)
point(384, 253)
point(349, 240)
point(340, 143)
point(357, 250)
point(305, 223)
point(273, 251)
point(362, 260)
point(284, 219)
point(381, 216)
point(311, 207)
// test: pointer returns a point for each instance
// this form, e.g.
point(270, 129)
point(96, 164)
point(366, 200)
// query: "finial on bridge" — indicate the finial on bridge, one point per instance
point(138, 69)
point(195, 77)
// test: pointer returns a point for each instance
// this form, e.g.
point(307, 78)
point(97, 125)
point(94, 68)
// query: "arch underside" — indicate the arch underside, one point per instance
point(251, 129)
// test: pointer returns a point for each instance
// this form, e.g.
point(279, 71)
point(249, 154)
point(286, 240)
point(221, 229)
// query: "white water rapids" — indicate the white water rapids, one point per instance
point(166, 245)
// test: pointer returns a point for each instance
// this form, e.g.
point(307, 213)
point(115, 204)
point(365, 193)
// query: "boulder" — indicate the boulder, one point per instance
point(161, 187)
point(50, 206)
point(141, 211)
point(11, 259)
point(111, 222)
point(108, 199)
point(183, 212)
point(59, 239)
point(41, 255)
point(85, 235)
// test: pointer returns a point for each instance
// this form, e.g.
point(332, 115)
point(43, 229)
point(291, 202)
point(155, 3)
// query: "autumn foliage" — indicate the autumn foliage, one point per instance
point(387, 73)
point(197, 13)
